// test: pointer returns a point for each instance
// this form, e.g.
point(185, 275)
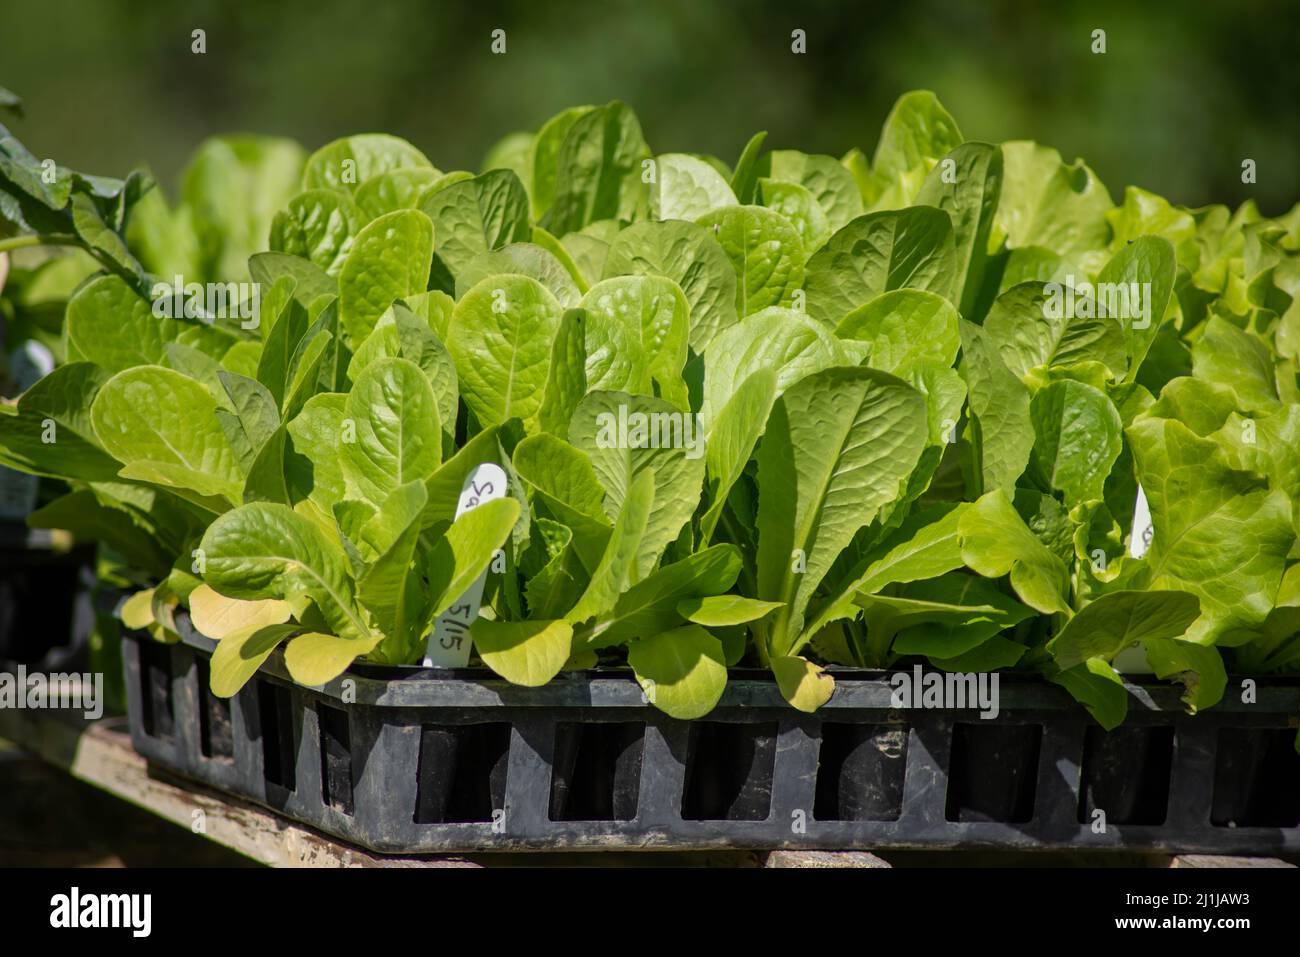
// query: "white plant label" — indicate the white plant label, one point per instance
point(1133, 659)
point(1140, 539)
point(449, 642)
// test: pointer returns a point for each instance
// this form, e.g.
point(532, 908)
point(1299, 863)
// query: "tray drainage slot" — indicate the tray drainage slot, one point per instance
point(216, 738)
point(993, 772)
point(860, 772)
point(158, 711)
point(729, 771)
point(597, 771)
point(1126, 774)
point(275, 710)
point(335, 757)
point(462, 773)
point(1256, 778)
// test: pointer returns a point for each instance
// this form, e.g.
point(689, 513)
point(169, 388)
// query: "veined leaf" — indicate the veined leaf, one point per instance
point(1003, 434)
point(682, 671)
point(911, 248)
point(402, 334)
point(522, 259)
point(389, 259)
point(51, 432)
point(476, 216)
point(311, 282)
point(652, 604)
point(1105, 627)
point(917, 132)
point(1220, 533)
point(765, 251)
point(1036, 326)
point(626, 435)
point(720, 611)
point(690, 256)
point(110, 325)
point(1101, 690)
point(995, 541)
point(805, 685)
point(513, 319)
point(825, 179)
point(163, 426)
point(318, 225)
point(263, 551)
point(618, 564)
point(924, 546)
point(1046, 202)
point(838, 448)
point(1239, 360)
point(967, 187)
point(217, 616)
point(394, 190)
point(563, 478)
point(782, 340)
point(528, 653)
point(687, 188)
point(654, 318)
point(346, 163)
point(566, 380)
point(731, 442)
point(240, 653)
point(903, 327)
point(315, 658)
point(398, 436)
point(313, 451)
point(545, 153)
point(465, 550)
point(389, 588)
point(798, 205)
point(1077, 438)
point(1145, 265)
point(598, 170)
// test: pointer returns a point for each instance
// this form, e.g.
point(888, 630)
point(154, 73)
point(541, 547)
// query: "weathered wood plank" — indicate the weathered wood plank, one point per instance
point(821, 859)
point(1218, 860)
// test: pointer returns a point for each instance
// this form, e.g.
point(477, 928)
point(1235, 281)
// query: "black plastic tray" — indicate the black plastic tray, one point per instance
point(412, 760)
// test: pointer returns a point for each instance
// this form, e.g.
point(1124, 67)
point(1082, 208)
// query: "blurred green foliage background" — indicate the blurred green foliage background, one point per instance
point(1183, 94)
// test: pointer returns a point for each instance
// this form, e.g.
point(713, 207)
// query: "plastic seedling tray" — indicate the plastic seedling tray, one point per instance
point(414, 760)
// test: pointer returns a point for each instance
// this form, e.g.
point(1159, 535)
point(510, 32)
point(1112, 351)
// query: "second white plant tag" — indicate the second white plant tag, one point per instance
point(1140, 539)
point(449, 642)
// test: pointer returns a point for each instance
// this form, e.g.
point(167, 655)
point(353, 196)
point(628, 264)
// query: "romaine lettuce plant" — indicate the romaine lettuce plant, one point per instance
point(800, 412)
